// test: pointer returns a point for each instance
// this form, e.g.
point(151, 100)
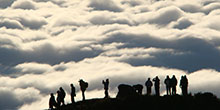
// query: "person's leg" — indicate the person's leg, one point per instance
point(83, 95)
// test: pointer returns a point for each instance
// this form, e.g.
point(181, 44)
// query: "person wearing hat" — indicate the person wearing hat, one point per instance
point(83, 86)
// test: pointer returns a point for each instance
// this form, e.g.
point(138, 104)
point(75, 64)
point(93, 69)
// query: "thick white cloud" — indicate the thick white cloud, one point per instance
point(24, 4)
point(11, 24)
point(192, 8)
point(163, 16)
point(13, 98)
point(204, 81)
point(182, 23)
point(45, 83)
point(45, 44)
point(119, 73)
point(26, 18)
point(109, 5)
point(132, 3)
point(211, 7)
point(105, 18)
point(33, 68)
point(32, 22)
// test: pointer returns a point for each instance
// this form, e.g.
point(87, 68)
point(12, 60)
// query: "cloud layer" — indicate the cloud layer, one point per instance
point(45, 44)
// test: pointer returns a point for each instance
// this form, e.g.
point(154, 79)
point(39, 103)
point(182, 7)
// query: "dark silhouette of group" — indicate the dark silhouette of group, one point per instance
point(184, 85)
point(60, 99)
point(170, 83)
point(124, 90)
point(61, 95)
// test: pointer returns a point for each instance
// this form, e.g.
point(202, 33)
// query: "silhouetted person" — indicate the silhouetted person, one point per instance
point(167, 82)
point(157, 85)
point(173, 85)
point(148, 85)
point(184, 85)
point(62, 95)
point(52, 102)
point(58, 98)
point(73, 93)
point(106, 85)
point(83, 87)
point(138, 88)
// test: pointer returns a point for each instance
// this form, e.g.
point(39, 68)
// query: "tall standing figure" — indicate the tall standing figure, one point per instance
point(73, 93)
point(106, 86)
point(173, 85)
point(83, 86)
point(148, 85)
point(63, 95)
point(184, 85)
point(167, 83)
point(157, 85)
point(58, 98)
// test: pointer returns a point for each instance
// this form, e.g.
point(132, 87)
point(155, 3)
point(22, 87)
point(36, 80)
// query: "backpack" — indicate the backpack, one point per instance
point(86, 84)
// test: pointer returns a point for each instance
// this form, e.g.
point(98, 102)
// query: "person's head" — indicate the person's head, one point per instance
point(61, 88)
point(148, 79)
point(51, 94)
point(107, 80)
point(168, 76)
point(71, 85)
point(80, 81)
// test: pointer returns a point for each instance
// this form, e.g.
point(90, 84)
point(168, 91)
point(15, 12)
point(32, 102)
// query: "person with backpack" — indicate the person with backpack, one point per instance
point(83, 86)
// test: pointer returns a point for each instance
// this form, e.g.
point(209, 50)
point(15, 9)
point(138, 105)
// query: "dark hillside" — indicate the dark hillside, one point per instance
point(200, 101)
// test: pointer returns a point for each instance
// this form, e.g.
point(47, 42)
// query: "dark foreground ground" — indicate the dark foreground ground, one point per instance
point(200, 101)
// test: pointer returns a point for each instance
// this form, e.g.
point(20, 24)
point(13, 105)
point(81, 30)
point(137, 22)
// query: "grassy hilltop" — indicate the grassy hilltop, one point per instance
point(200, 101)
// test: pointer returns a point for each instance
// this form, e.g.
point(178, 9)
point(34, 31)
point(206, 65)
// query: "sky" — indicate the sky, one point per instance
point(47, 44)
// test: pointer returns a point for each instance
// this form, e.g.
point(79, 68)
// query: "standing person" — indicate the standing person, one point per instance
point(157, 85)
point(184, 85)
point(52, 102)
point(73, 93)
point(63, 94)
point(173, 85)
point(167, 83)
point(83, 87)
point(58, 98)
point(148, 85)
point(106, 86)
